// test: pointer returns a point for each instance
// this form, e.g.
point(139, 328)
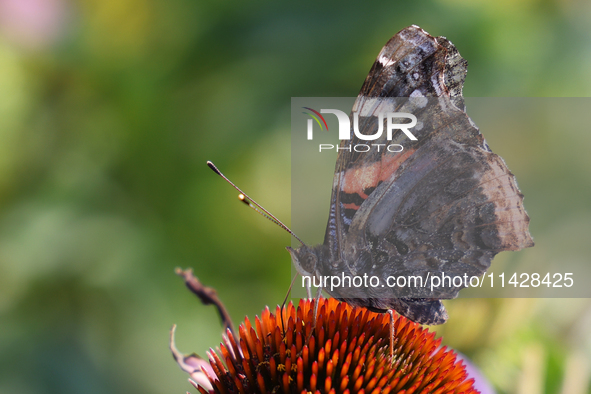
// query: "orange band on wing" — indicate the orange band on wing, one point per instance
point(357, 180)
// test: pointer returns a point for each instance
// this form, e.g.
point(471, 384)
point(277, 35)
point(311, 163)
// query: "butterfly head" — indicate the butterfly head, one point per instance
point(305, 259)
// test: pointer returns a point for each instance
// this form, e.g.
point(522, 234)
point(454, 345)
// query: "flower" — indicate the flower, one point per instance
point(346, 351)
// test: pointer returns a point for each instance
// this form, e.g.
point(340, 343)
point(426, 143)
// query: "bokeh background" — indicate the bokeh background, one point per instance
point(110, 108)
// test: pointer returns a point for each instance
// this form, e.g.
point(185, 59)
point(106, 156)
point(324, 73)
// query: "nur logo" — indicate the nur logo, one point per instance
point(392, 120)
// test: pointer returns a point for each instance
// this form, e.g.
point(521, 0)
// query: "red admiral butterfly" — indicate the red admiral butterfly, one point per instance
point(446, 204)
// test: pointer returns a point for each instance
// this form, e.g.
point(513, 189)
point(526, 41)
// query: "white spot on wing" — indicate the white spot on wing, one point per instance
point(418, 99)
point(370, 106)
point(385, 61)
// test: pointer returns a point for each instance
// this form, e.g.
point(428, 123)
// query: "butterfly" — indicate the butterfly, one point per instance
point(446, 204)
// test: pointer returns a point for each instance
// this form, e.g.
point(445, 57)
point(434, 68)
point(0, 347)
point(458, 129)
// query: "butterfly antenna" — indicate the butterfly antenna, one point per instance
point(253, 204)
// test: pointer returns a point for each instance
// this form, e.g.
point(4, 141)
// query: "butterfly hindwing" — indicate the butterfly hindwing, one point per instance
point(449, 210)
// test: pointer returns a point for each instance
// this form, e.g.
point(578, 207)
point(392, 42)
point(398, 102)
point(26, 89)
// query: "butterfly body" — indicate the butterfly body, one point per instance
point(444, 205)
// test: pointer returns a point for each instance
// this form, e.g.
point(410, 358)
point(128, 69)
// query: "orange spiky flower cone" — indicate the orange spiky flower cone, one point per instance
point(346, 352)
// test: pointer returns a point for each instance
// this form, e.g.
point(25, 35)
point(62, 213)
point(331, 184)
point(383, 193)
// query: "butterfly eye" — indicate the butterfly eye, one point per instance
point(309, 262)
point(304, 259)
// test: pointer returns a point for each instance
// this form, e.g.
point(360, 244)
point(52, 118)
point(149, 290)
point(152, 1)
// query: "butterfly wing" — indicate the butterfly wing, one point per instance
point(357, 174)
point(445, 204)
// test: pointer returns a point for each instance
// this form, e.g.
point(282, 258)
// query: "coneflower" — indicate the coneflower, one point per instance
point(346, 351)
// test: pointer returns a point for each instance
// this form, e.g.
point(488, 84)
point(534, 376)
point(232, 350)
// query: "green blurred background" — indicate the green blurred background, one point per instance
point(109, 110)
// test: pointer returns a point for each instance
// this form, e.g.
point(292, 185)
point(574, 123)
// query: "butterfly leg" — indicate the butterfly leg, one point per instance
point(315, 313)
point(391, 313)
point(318, 296)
